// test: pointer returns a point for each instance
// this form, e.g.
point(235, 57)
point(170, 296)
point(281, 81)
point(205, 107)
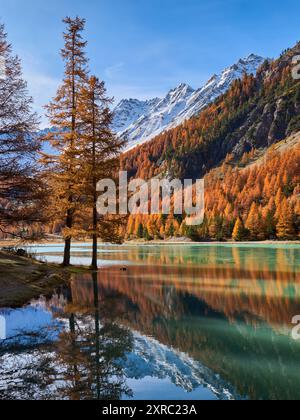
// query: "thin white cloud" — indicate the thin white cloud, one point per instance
point(41, 85)
point(42, 88)
point(113, 71)
point(155, 50)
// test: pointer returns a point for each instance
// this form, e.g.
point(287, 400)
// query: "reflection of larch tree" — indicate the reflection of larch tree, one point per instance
point(84, 363)
point(97, 356)
point(26, 366)
point(93, 354)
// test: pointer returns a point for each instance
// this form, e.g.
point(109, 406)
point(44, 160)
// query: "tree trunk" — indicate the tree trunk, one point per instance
point(67, 250)
point(94, 265)
point(67, 253)
point(97, 333)
point(69, 222)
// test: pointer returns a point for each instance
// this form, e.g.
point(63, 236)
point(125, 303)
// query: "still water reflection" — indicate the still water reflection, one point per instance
point(169, 322)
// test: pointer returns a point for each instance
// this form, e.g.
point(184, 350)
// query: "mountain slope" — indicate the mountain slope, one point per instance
point(128, 111)
point(245, 144)
point(255, 112)
point(140, 121)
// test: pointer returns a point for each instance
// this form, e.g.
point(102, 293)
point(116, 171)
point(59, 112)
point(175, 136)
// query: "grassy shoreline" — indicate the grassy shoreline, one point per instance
point(174, 241)
point(23, 279)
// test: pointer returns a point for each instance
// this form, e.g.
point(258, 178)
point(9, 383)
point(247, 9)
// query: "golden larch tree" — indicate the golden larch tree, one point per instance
point(22, 193)
point(285, 226)
point(63, 115)
point(99, 150)
point(239, 231)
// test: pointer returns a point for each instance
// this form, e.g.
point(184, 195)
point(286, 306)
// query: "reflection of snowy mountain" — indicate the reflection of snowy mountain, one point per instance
point(152, 359)
point(27, 329)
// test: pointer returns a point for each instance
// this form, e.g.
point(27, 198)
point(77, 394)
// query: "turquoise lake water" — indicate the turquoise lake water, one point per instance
point(160, 322)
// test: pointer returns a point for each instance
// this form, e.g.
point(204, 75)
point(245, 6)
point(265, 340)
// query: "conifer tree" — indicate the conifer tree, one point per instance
point(162, 232)
point(171, 229)
point(285, 226)
point(130, 226)
point(140, 231)
point(239, 231)
point(253, 223)
point(21, 190)
point(216, 228)
point(150, 228)
point(63, 116)
point(99, 151)
point(269, 225)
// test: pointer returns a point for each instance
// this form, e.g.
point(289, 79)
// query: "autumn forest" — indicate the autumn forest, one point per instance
point(245, 145)
point(149, 202)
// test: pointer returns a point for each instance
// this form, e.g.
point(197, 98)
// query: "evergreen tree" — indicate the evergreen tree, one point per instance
point(216, 228)
point(21, 190)
point(239, 232)
point(285, 226)
point(202, 232)
point(162, 232)
point(140, 231)
point(228, 226)
point(192, 233)
point(150, 229)
point(270, 225)
point(98, 149)
point(146, 235)
point(63, 114)
point(171, 230)
point(253, 223)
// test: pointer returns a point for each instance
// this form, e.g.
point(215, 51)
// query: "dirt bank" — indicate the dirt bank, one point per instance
point(23, 279)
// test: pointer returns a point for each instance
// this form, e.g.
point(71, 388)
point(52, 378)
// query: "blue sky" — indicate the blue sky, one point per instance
point(142, 48)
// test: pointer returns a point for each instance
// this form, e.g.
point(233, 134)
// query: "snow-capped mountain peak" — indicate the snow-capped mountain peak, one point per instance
point(181, 90)
point(130, 110)
point(139, 121)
